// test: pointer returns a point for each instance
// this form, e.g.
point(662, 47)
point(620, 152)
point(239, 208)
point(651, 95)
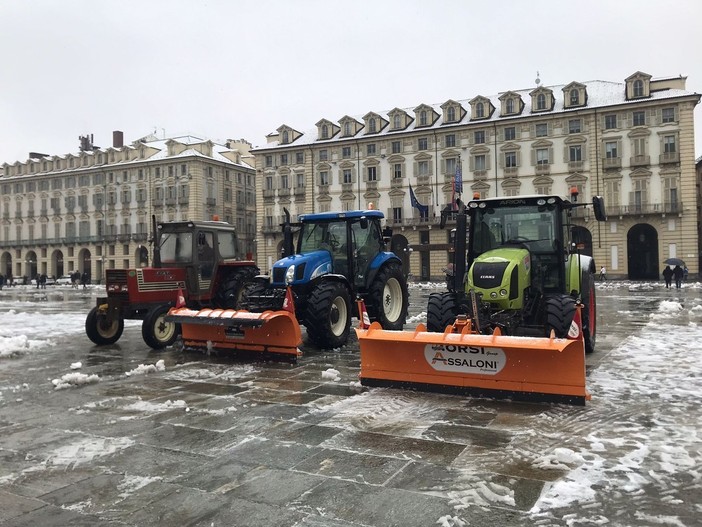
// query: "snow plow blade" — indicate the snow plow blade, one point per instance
point(498, 366)
point(270, 332)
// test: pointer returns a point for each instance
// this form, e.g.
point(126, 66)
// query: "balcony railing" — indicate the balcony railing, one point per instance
point(284, 192)
point(575, 166)
point(511, 171)
point(423, 180)
point(268, 192)
point(543, 168)
point(299, 191)
point(669, 157)
point(640, 161)
point(397, 182)
point(638, 209)
point(612, 162)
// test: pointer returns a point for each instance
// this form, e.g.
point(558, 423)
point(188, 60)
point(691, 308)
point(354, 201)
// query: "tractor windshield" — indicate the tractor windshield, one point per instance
point(177, 247)
point(327, 235)
point(535, 226)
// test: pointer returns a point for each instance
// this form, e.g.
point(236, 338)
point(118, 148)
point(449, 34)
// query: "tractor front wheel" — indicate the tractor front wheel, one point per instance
point(559, 312)
point(442, 311)
point(388, 299)
point(99, 331)
point(328, 315)
point(156, 332)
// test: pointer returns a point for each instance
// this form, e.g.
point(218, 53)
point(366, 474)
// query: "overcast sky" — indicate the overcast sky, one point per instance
point(233, 69)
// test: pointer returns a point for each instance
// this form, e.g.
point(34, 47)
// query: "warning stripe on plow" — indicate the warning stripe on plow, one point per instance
point(520, 368)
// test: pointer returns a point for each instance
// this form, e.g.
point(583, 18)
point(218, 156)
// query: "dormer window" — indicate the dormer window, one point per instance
point(325, 131)
point(541, 102)
point(423, 118)
point(509, 106)
point(286, 138)
point(480, 110)
point(347, 129)
point(451, 114)
point(574, 97)
point(371, 126)
point(638, 88)
point(396, 122)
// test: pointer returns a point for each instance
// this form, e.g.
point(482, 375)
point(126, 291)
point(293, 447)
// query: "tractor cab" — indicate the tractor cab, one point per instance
point(198, 247)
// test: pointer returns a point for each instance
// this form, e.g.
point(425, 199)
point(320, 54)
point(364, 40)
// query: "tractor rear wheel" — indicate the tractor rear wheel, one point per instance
point(442, 311)
point(156, 332)
point(328, 315)
point(388, 299)
point(559, 311)
point(99, 331)
point(230, 293)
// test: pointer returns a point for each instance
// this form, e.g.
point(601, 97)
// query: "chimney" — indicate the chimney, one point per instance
point(117, 139)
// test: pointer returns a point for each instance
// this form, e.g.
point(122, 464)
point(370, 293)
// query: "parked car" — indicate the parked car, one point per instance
point(63, 280)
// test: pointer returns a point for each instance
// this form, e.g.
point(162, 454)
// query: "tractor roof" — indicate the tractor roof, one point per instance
point(331, 216)
point(514, 201)
point(189, 225)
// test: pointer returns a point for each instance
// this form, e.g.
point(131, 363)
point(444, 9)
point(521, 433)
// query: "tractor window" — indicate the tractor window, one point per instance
point(530, 225)
point(227, 244)
point(329, 235)
point(205, 253)
point(177, 247)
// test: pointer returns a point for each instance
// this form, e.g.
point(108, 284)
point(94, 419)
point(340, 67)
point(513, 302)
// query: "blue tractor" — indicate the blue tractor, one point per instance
point(338, 257)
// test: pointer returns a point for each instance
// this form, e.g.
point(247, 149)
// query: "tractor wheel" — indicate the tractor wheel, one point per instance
point(559, 311)
point(589, 312)
point(328, 315)
point(230, 293)
point(99, 331)
point(442, 311)
point(249, 294)
point(156, 332)
point(388, 298)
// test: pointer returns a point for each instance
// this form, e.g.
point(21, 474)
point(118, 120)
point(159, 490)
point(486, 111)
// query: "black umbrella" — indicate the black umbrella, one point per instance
point(674, 261)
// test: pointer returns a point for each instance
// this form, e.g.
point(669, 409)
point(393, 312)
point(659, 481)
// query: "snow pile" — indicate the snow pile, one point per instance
point(416, 319)
point(450, 521)
point(149, 407)
point(560, 459)
point(76, 365)
point(12, 346)
point(74, 379)
point(331, 374)
point(143, 369)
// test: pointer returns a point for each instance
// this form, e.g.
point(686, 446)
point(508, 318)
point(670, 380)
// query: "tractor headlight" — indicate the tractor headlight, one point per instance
point(503, 292)
point(290, 275)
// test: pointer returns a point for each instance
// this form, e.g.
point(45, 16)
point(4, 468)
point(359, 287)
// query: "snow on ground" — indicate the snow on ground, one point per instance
point(143, 369)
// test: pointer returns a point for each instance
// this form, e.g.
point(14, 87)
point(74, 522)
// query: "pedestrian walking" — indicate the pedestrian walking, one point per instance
point(42, 280)
point(668, 276)
point(2, 281)
point(84, 279)
point(603, 273)
point(678, 275)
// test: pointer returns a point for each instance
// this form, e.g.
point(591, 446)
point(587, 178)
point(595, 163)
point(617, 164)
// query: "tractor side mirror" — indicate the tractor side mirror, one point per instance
point(599, 208)
point(364, 223)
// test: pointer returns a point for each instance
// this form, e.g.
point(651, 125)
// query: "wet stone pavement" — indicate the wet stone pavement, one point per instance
point(218, 441)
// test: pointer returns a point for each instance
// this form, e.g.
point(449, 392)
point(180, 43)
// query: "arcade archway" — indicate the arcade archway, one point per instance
point(642, 252)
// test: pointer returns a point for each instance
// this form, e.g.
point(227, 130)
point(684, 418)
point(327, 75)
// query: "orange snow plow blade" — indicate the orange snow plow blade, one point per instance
point(499, 366)
point(270, 332)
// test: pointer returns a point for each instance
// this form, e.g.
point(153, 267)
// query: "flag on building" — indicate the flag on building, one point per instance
point(457, 184)
point(423, 209)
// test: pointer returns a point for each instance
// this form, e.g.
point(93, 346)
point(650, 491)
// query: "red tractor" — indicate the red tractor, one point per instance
point(197, 258)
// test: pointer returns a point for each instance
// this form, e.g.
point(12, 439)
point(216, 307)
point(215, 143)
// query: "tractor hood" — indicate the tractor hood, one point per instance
point(301, 267)
point(501, 275)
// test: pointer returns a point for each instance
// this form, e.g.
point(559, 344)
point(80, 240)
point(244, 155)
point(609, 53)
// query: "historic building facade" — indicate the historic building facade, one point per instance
point(92, 210)
point(631, 142)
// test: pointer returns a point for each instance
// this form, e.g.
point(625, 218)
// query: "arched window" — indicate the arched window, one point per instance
point(480, 110)
point(574, 97)
point(510, 106)
point(396, 122)
point(325, 131)
point(541, 102)
point(422, 118)
point(371, 125)
point(638, 88)
point(451, 114)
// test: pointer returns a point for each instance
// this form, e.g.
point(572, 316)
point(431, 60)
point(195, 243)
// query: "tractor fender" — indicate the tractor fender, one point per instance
point(380, 260)
point(577, 269)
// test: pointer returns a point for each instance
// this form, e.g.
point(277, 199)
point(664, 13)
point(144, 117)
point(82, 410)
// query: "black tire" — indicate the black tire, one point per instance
point(559, 311)
point(251, 294)
point(388, 299)
point(99, 332)
point(328, 315)
point(156, 332)
point(589, 312)
point(442, 311)
point(231, 291)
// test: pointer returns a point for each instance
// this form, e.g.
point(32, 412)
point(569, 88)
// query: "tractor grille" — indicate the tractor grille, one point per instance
point(278, 274)
point(117, 277)
point(488, 275)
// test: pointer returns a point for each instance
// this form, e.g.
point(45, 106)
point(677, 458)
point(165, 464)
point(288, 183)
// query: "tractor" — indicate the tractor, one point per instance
point(522, 272)
point(340, 257)
point(197, 260)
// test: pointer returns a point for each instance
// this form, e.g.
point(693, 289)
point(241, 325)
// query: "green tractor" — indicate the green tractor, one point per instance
point(518, 268)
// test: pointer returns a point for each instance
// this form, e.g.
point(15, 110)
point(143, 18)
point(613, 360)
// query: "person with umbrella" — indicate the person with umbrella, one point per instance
point(667, 276)
point(678, 274)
